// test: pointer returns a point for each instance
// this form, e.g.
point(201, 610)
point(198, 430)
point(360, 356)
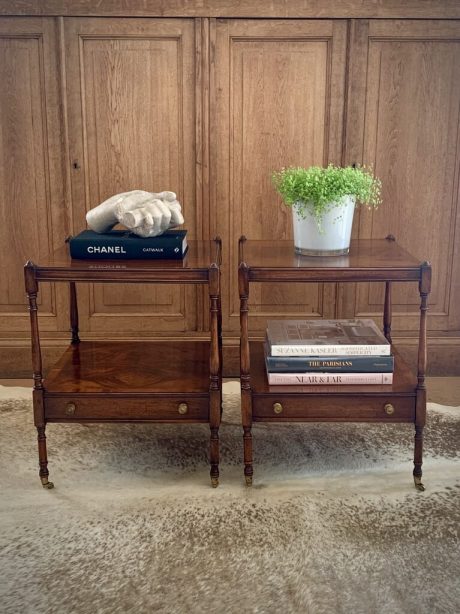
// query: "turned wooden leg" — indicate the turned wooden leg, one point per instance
point(214, 423)
point(248, 468)
point(38, 391)
point(214, 452)
point(246, 393)
point(215, 369)
point(420, 400)
point(43, 458)
point(418, 454)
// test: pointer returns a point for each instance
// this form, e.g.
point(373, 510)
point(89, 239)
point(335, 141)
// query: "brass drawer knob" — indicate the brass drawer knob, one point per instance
point(277, 408)
point(182, 409)
point(389, 409)
point(70, 409)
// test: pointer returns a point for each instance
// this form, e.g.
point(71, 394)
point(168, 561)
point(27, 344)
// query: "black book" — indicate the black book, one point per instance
point(123, 245)
point(328, 364)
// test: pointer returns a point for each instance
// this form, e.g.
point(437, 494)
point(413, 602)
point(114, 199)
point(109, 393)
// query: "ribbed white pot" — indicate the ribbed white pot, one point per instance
point(330, 237)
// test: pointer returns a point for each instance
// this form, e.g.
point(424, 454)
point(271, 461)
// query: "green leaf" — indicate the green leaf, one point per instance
point(314, 189)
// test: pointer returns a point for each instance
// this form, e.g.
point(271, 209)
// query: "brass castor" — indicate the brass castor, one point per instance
point(214, 482)
point(418, 483)
point(248, 480)
point(46, 483)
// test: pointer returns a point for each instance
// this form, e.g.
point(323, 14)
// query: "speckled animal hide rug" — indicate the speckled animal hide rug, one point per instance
point(333, 523)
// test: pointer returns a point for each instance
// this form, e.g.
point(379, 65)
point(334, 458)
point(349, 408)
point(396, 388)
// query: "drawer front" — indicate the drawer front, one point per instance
point(333, 409)
point(78, 409)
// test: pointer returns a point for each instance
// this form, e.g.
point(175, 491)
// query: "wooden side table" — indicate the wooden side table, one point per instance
point(136, 381)
point(368, 260)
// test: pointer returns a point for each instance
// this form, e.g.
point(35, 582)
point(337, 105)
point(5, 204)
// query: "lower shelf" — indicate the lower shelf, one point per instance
point(371, 403)
point(112, 368)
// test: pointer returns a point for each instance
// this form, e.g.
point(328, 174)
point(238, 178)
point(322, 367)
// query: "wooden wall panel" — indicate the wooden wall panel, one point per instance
point(278, 102)
point(32, 212)
point(131, 114)
point(238, 99)
point(293, 9)
point(409, 90)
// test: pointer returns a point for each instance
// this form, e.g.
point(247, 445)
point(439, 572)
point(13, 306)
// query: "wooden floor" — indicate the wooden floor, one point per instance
point(442, 390)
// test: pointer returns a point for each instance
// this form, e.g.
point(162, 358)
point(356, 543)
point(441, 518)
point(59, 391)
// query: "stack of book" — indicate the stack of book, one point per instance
point(123, 245)
point(330, 352)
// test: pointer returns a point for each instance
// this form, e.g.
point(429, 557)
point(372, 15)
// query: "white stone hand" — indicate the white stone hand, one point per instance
point(146, 214)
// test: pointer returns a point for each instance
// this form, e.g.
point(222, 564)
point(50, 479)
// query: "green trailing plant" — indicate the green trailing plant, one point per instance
point(316, 190)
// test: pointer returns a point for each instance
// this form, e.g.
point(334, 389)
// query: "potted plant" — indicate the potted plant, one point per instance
point(323, 202)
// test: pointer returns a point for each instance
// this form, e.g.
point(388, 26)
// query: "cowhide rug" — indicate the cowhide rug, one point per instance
point(332, 523)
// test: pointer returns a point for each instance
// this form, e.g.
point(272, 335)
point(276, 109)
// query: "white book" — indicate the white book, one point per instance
point(328, 379)
point(355, 337)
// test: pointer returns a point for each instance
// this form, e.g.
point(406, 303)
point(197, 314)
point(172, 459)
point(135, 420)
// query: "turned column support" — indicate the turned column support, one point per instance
point(246, 396)
point(32, 292)
point(424, 290)
point(218, 242)
point(215, 370)
point(216, 332)
point(387, 312)
point(420, 402)
point(31, 285)
point(73, 313)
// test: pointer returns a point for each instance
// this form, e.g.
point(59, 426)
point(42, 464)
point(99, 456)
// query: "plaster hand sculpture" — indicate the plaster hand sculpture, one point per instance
point(146, 214)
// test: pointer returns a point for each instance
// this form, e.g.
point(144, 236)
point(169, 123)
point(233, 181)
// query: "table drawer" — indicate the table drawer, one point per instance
point(333, 409)
point(97, 409)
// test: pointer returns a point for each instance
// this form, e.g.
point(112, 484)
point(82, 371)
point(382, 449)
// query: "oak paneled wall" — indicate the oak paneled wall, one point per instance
point(279, 100)
point(131, 118)
point(406, 97)
point(417, 9)
point(32, 205)
point(208, 99)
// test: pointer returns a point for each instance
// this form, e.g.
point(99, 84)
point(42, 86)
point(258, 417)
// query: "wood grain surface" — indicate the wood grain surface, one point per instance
point(82, 117)
point(236, 8)
point(279, 101)
point(31, 193)
point(405, 123)
point(131, 126)
point(144, 367)
point(402, 401)
point(379, 259)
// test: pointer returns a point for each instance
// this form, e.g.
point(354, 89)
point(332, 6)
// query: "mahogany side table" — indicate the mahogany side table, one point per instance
point(368, 261)
point(136, 381)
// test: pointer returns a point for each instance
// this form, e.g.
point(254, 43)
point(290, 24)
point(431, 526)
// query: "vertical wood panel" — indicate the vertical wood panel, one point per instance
point(410, 92)
point(31, 195)
point(132, 126)
point(278, 102)
point(202, 155)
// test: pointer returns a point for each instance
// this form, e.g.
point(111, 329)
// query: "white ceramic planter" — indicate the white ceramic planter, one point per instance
point(332, 238)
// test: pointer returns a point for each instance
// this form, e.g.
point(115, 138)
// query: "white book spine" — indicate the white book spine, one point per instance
point(330, 350)
point(328, 379)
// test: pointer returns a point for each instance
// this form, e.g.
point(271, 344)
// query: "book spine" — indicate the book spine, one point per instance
point(119, 250)
point(328, 379)
point(330, 350)
point(353, 364)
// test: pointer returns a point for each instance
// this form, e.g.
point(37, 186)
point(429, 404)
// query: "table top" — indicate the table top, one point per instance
point(368, 259)
point(194, 267)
